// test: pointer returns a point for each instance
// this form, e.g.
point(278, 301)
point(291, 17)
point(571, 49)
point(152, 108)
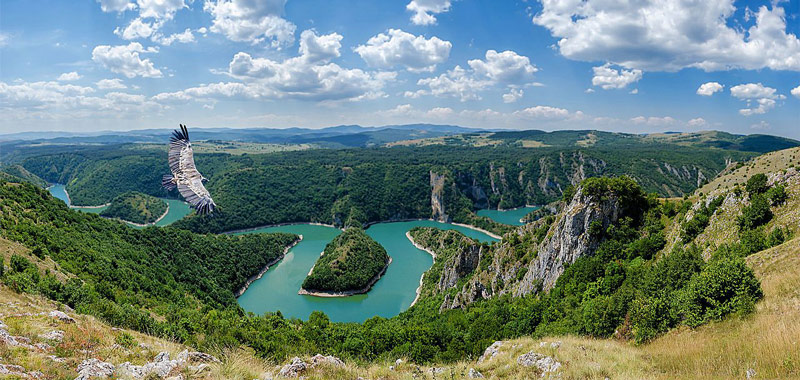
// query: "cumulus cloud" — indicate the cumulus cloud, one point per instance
point(110, 84)
point(654, 121)
point(399, 48)
point(542, 112)
point(759, 98)
point(138, 28)
point(697, 123)
point(513, 95)
point(424, 10)
point(309, 75)
point(670, 35)
point(796, 92)
point(708, 89)
point(184, 37)
point(125, 60)
point(251, 21)
point(69, 76)
point(608, 78)
point(507, 69)
point(316, 48)
point(116, 5)
point(159, 9)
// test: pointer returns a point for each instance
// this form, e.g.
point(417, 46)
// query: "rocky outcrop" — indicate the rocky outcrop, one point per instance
point(569, 239)
point(294, 369)
point(546, 364)
point(459, 266)
point(94, 368)
point(437, 197)
point(491, 351)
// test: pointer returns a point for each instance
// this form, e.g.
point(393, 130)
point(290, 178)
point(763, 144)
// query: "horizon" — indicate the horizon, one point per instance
point(127, 65)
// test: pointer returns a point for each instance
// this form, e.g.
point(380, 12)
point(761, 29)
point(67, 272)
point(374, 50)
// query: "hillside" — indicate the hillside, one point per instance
point(353, 187)
point(350, 264)
point(136, 207)
point(566, 139)
point(13, 172)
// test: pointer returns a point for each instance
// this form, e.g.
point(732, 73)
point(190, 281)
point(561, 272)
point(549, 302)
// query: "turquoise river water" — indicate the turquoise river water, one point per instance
point(177, 209)
point(512, 217)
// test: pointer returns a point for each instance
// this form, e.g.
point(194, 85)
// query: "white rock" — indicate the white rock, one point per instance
point(751, 373)
point(321, 359)
point(293, 369)
point(398, 362)
point(56, 335)
point(491, 351)
point(94, 368)
point(544, 363)
point(474, 374)
point(61, 316)
point(555, 344)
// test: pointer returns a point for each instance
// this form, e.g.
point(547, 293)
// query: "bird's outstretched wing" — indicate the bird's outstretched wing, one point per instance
point(184, 173)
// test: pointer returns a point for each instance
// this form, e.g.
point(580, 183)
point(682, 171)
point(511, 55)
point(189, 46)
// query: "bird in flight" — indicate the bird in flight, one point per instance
point(185, 175)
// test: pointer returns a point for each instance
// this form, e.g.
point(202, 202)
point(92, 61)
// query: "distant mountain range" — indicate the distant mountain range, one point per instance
point(340, 136)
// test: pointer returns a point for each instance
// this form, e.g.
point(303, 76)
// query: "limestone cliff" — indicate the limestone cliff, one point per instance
point(437, 196)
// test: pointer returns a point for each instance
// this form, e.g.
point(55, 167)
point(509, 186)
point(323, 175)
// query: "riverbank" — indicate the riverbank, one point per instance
point(494, 235)
point(251, 229)
point(433, 254)
point(69, 200)
point(264, 270)
point(319, 293)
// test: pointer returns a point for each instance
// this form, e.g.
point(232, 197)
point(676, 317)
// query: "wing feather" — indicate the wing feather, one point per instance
point(189, 181)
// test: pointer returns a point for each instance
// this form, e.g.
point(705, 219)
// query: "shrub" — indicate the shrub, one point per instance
point(777, 195)
point(725, 285)
point(125, 340)
point(757, 184)
point(756, 214)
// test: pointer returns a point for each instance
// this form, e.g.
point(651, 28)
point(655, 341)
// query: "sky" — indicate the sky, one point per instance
point(628, 66)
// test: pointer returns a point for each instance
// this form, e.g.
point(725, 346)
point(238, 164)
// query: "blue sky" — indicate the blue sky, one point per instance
point(639, 66)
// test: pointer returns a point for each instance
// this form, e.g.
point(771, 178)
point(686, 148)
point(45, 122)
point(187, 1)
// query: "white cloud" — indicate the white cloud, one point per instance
point(316, 48)
point(185, 37)
point(697, 123)
point(110, 84)
point(589, 90)
point(759, 98)
point(138, 28)
point(251, 21)
point(654, 121)
point(116, 5)
point(507, 69)
point(424, 10)
point(708, 89)
point(634, 91)
point(669, 35)
point(796, 92)
point(159, 9)
point(513, 95)
point(608, 78)
point(542, 112)
point(309, 75)
point(69, 76)
point(125, 60)
point(399, 48)
point(761, 125)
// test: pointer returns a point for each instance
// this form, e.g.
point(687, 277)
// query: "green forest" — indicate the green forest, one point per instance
point(351, 261)
point(136, 207)
point(352, 187)
point(125, 276)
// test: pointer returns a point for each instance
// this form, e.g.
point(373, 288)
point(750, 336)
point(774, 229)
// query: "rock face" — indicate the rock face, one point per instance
point(568, 240)
point(94, 368)
point(464, 262)
point(437, 195)
point(293, 369)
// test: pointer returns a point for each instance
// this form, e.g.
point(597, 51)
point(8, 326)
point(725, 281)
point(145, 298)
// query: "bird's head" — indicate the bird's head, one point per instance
point(203, 179)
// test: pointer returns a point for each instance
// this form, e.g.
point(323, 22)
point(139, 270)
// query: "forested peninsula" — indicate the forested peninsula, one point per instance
point(350, 264)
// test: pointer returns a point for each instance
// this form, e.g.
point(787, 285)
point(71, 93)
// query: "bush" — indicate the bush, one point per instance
point(725, 285)
point(777, 195)
point(756, 214)
point(757, 184)
point(125, 340)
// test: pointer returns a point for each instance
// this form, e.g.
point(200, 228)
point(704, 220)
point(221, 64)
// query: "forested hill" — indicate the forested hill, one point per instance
point(124, 274)
point(356, 186)
point(136, 207)
point(351, 262)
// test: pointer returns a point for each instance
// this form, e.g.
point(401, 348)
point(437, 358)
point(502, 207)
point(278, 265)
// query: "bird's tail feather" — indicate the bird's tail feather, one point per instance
point(167, 183)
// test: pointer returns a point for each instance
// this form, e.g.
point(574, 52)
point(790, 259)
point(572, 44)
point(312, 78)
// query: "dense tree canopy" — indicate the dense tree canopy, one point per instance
point(351, 261)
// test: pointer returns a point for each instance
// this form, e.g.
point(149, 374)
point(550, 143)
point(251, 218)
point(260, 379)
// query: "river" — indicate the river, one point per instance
point(512, 217)
point(392, 294)
point(177, 209)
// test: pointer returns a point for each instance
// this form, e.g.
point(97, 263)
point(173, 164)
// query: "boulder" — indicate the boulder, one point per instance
point(331, 360)
point(546, 364)
point(491, 351)
point(293, 369)
point(474, 374)
point(94, 368)
point(56, 335)
point(61, 316)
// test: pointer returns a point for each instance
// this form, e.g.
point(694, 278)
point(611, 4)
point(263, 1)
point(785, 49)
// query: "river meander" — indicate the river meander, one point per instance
point(392, 294)
point(512, 217)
